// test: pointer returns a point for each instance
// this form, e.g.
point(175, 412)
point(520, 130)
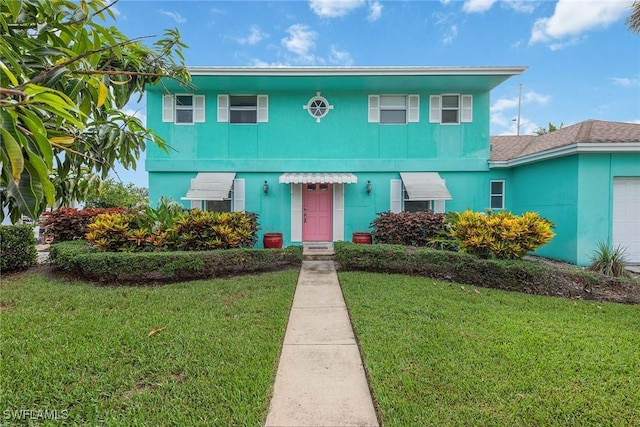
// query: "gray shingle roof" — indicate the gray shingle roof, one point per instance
point(509, 147)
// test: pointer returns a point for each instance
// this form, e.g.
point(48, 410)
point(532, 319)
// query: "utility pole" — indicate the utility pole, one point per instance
point(519, 104)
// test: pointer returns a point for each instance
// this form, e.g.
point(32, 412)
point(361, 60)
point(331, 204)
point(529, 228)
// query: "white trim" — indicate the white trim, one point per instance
point(262, 105)
point(567, 150)
point(413, 108)
point(357, 71)
point(322, 178)
point(338, 212)
point(238, 198)
point(396, 196)
point(466, 108)
point(435, 113)
point(198, 109)
point(374, 108)
point(223, 108)
point(168, 104)
point(296, 212)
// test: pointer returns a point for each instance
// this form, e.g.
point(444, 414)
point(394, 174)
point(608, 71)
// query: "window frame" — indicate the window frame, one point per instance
point(261, 108)
point(464, 109)
point(501, 194)
point(170, 108)
point(411, 108)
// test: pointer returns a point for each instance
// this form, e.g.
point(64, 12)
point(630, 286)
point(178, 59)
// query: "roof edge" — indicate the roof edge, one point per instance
point(356, 71)
point(576, 148)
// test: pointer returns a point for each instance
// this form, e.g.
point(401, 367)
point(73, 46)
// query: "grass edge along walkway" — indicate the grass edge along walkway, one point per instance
point(439, 353)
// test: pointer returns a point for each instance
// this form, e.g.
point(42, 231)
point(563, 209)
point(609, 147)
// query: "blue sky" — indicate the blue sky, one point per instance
point(583, 61)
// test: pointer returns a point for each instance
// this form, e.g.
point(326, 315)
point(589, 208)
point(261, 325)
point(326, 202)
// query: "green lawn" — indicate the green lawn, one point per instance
point(441, 354)
point(84, 351)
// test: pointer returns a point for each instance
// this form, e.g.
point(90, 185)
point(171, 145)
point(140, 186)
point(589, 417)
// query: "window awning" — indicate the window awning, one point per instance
point(210, 186)
point(320, 178)
point(425, 186)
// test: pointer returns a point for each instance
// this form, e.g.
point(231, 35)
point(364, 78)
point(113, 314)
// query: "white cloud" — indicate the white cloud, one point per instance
point(334, 8)
point(301, 41)
point(505, 110)
point(522, 6)
point(477, 6)
point(375, 11)
point(254, 36)
point(449, 35)
point(572, 18)
point(340, 57)
point(626, 81)
point(175, 15)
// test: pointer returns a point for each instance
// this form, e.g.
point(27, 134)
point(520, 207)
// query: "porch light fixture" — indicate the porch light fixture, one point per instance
point(368, 187)
point(265, 187)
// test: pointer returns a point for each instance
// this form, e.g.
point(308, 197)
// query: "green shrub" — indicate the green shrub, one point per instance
point(140, 268)
point(66, 224)
point(17, 247)
point(408, 228)
point(609, 261)
point(511, 275)
point(500, 235)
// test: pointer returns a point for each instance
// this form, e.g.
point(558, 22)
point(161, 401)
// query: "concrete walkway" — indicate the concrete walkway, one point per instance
point(320, 379)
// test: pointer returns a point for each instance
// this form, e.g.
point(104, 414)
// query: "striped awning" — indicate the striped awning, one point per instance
point(210, 186)
point(425, 186)
point(318, 178)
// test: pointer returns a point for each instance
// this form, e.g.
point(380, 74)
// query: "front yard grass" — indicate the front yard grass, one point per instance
point(449, 355)
point(84, 351)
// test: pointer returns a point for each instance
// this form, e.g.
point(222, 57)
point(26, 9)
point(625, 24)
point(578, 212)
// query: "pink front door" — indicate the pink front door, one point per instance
point(316, 211)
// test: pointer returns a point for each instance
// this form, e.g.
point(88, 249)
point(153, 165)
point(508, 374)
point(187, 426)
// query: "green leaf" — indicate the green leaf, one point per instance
point(14, 152)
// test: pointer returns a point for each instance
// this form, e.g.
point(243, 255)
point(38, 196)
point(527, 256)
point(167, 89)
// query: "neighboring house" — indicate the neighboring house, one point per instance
point(317, 152)
point(585, 178)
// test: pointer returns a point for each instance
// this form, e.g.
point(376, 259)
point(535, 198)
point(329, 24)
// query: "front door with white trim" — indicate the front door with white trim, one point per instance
point(317, 212)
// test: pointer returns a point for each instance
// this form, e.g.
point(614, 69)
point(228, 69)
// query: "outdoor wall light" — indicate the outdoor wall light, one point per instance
point(265, 187)
point(368, 187)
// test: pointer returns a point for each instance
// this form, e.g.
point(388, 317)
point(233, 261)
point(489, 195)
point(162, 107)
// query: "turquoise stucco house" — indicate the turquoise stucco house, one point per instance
point(317, 152)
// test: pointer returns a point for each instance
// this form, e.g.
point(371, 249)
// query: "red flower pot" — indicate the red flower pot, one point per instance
point(272, 240)
point(361, 238)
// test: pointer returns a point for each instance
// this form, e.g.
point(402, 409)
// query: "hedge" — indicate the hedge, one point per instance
point(511, 275)
point(17, 247)
point(79, 259)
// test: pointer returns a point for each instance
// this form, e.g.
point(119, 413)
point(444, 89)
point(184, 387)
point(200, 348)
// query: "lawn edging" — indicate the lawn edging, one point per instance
point(140, 268)
point(513, 275)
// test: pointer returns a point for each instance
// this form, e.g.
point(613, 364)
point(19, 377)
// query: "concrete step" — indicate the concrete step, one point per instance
point(317, 251)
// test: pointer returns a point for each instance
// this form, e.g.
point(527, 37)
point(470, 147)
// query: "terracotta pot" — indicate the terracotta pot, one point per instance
point(361, 238)
point(272, 240)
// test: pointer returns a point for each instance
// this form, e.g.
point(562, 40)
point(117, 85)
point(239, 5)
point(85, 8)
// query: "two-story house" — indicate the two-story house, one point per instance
point(318, 152)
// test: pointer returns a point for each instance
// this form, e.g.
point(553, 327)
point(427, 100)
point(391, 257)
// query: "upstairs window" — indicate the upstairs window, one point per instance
point(241, 109)
point(450, 109)
point(394, 109)
point(183, 109)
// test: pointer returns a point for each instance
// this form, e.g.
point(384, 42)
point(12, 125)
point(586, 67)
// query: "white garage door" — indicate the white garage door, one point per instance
point(626, 216)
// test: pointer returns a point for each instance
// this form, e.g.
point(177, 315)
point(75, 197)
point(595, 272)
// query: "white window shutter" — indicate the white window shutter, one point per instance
point(263, 108)
point(435, 112)
point(198, 109)
point(414, 109)
point(438, 206)
point(396, 196)
point(338, 212)
point(167, 108)
point(467, 109)
point(238, 195)
point(374, 108)
point(196, 204)
point(296, 212)
point(223, 108)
